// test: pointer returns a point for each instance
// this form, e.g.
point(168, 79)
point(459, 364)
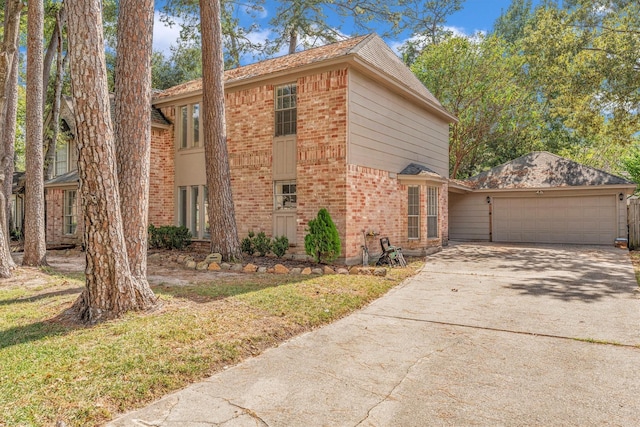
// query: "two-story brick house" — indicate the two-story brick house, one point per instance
point(334, 127)
point(345, 126)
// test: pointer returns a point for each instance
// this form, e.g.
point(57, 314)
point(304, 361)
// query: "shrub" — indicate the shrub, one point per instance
point(322, 241)
point(280, 246)
point(169, 237)
point(247, 244)
point(262, 244)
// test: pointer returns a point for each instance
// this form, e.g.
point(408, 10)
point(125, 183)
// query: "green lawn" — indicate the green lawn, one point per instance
point(52, 369)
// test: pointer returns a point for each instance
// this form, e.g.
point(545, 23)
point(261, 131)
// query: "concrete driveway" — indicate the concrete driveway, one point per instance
point(486, 334)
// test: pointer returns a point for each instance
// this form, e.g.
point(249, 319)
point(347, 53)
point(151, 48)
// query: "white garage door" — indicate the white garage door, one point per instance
point(579, 220)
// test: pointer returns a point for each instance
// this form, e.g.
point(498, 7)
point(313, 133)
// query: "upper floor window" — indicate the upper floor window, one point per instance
point(62, 159)
point(286, 113)
point(189, 126)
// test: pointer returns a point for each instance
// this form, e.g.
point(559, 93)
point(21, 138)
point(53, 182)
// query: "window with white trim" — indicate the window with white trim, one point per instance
point(195, 211)
point(413, 213)
point(286, 110)
point(432, 212)
point(182, 206)
point(285, 196)
point(62, 159)
point(70, 212)
point(188, 129)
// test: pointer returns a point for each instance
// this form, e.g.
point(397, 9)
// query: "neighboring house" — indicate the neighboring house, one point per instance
point(345, 127)
point(16, 203)
point(540, 198)
point(62, 199)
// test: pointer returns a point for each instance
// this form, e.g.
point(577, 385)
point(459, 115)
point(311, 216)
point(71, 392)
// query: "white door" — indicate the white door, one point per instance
point(576, 220)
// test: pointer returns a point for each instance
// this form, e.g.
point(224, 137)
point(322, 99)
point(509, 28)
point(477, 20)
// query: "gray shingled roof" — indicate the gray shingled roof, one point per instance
point(66, 178)
point(541, 169)
point(416, 169)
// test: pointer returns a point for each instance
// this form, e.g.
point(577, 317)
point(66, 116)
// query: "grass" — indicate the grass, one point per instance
point(52, 370)
point(635, 260)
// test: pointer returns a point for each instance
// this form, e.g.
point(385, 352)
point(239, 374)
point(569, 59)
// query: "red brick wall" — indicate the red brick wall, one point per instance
point(357, 198)
point(377, 202)
point(162, 173)
point(54, 232)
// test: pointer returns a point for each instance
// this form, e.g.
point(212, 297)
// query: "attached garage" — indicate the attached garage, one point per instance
point(540, 198)
point(579, 219)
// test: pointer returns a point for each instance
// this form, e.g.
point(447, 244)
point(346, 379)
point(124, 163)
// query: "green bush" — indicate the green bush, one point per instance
point(259, 243)
point(322, 241)
point(247, 244)
point(280, 246)
point(262, 244)
point(169, 237)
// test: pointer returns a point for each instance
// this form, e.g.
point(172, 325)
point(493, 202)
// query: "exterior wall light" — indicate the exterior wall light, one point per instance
point(621, 197)
point(488, 199)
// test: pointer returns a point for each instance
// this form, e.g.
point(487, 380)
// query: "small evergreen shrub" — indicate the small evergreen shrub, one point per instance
point(169, 237)
point(280, 246)
point(322, 241)
point(247, 244)
point(262, 244)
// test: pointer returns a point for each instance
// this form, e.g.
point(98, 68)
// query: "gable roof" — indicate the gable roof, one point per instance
point(541, 169)
point(368, 53)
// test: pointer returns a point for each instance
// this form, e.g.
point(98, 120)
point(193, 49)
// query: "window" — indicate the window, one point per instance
point(414, 212)
point(193, 207)
point(182, 206)
point(432, 212)
point(184, 126)
point(189, 126)
point(195, 211)
point(285, 195)
point(286, 112)
point(207, 232)
point(62, 159)
point(195, 122)
point(70, 212)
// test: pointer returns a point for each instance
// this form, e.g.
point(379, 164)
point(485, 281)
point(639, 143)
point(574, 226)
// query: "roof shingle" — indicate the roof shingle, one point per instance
point(541, 169)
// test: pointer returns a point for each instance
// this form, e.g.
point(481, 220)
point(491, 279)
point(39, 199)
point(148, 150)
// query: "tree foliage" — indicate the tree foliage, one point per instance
point(322, 241)
point(583, 62)
point(480, 83)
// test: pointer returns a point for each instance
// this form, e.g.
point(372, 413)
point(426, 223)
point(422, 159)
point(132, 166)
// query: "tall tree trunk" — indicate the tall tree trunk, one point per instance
point(222, 218)
point(53, 48)
point(133, 127)
point(50, 159)
point(8, 139)
point(8, 61)
point(111, 289)
point(35, 249)
point(293, 40)
point(55, 118)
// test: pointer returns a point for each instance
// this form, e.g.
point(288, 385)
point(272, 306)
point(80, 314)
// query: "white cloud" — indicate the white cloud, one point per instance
point(396, 45)
point(163, 35)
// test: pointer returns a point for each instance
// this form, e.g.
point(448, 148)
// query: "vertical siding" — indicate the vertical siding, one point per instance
point(622, 217)
point(468, 217)
point(388, 132)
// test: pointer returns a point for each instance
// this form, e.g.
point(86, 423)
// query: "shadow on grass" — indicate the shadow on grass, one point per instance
point(39, 297)
point(57, 326)
point(212, 291)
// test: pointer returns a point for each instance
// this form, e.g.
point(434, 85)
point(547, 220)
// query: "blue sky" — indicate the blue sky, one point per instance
point(476, 15)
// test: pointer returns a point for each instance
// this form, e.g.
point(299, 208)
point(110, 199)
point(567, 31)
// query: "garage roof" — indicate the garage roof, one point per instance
point(541, 169)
